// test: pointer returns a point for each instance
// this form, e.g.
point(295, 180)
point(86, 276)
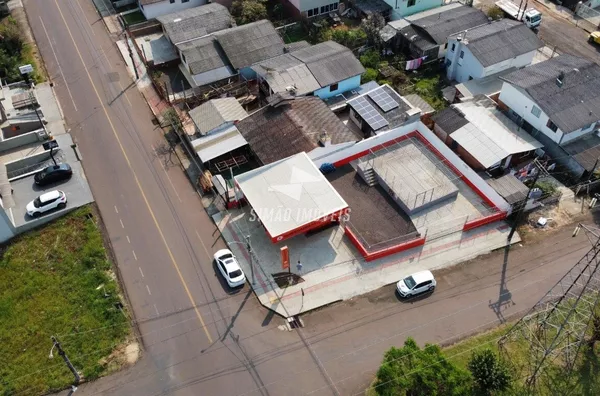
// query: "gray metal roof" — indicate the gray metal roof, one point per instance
point(418, 38)
point(369, 7)
point(571, 105)
point(585, 151)
point(249, 44)
point(284, 71)
point(510, 188)
point(441, 22)
point(216, 112)
point(195, 22)
point(501, 40)
point(218, 143)
point(450, 120)
point(297, 45)
point(288, 126)
point(329, 62)
point(203, 55)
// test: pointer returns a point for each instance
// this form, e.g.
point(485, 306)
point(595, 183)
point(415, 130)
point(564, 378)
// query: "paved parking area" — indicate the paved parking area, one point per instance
point(77, 190)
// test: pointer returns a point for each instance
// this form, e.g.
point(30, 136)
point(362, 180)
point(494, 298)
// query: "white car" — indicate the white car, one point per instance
point(420, 282)
point(45, 202)
point(229, 268)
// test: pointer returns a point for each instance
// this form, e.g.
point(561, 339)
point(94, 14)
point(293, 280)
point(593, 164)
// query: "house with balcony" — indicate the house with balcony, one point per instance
point(489, 49)
point(558, 102)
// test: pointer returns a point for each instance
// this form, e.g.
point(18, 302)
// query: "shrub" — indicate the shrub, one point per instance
point(369, 75)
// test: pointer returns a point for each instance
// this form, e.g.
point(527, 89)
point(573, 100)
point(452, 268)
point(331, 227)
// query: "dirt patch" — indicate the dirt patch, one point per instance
point(126, 354)
point(557, 216)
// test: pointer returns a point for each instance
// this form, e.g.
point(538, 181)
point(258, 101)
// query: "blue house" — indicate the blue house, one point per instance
point(324, 70)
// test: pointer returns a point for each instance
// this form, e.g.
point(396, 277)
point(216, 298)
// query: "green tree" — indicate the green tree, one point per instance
point(490, 374)
point(11, 48)
point(372, 25)
point(247, 11)
point(369, 75)
point(370, 59)
point(412, 371)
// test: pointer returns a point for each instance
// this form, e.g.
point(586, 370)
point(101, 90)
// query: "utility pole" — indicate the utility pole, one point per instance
point(131, 56)
point(34, 103)
point(249, 247)
point(522, 210)
point(56, 344)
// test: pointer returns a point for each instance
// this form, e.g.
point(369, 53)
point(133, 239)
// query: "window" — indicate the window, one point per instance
point(184, 1)
point(315, 11)
point(171, 1)
point(453, 46)
point(334, 6)
point(470, 78)
point(536, 111)
point(412, 3)
point(333, 87)
point(309, 13)
point(327, 8)
point(462, 54)
point(445, 45)
point(322, 9)
point(552, 126)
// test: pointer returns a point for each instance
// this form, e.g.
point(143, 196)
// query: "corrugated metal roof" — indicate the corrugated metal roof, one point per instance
point(297, 45)
point(572, 105)
point(369, 7)
point(585, 151)
point(216, 112)
point(249, 44)
point(490, 136)
point(441, 22)
point(195, 22)
point(329, 62)
point(501, 40)
point(289, 126)
point(216, 144)
point(284, 71)
point(449, 120)
point(203, 55)
point(510, 188)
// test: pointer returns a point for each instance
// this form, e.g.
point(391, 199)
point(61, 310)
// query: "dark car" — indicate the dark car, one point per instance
point(53, 174)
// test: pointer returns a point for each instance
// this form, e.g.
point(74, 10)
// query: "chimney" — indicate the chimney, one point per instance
point(560, 80)
point(324, 139)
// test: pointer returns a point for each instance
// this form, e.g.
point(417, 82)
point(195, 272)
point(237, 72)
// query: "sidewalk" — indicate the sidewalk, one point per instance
point(342, 274)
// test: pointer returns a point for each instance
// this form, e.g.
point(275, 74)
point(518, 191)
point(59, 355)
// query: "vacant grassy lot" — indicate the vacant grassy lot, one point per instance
point(58, 281)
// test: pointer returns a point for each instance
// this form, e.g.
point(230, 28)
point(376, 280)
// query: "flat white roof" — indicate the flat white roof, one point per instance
point(216, 144)
point(491, 136)
point(289, 193)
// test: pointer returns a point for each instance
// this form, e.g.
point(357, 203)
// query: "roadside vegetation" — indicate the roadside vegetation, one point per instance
point(133, 17)
point(14, 52)
point(475, 367)
point(58, 281)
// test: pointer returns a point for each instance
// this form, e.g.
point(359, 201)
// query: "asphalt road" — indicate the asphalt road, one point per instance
point(198, 338)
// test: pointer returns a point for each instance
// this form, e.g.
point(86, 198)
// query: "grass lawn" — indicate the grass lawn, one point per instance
point(428, 84)
point(133, 18)
point(294, 33)
point(53, 282)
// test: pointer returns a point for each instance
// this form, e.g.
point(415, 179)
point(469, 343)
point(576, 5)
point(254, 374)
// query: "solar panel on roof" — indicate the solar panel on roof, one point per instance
point(383, 100)
point(368, 113)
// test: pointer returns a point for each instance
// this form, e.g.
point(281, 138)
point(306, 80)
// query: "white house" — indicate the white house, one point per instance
point(155, 8)
point(311, 8)
point(558, 102)
point(489, 49)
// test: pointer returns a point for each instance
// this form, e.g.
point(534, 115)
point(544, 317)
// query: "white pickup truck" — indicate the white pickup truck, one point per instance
point(530, 17)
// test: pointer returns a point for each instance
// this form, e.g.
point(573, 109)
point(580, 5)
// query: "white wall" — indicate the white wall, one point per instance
point(461, 69)
point(521, 103)
point(152, 11)
point(7, 228)
point(578, 133)
point(518, 62)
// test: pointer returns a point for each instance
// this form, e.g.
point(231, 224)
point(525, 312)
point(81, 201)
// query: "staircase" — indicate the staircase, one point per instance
point(368, 175)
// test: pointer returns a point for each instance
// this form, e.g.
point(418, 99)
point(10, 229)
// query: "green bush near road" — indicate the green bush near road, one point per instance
point(14, 52)
point(58, 281)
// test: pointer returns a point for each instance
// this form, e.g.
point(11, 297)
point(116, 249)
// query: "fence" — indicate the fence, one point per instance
point(587, 18)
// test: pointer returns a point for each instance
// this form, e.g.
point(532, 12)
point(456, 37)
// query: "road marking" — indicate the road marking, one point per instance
point(128, 240)
point(134, 256)
point(121, 221)
point(58, 63)
point(147, 288)
point(202, 242)
point(125, 94)
point(91, 26)
point(168, 177)
point(140, 268)
point(137, 181)
point(156, 309)
point(116, 210)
